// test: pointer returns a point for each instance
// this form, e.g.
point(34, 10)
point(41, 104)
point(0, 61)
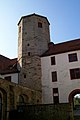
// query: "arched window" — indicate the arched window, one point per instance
point(23, 99)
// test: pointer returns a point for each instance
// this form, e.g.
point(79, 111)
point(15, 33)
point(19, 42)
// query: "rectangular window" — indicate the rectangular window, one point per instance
point(39, 24)
point(24, 75)
point(55, 95)
point(8, 78)
point(72, 57)
point(55, 90)
point(53, 60)
point(75, 73)
point(29, 53)
point(54, 76)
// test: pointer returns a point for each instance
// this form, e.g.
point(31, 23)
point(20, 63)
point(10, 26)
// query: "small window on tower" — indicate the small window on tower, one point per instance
point(39, 24)
point(28, 44)
point(28, 53)
point(55, 95)
point(24, 75)
point(54, 76)
point(75, 73)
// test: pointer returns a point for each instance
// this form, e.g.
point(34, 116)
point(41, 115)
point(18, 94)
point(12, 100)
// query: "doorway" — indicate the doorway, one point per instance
point(74, 99)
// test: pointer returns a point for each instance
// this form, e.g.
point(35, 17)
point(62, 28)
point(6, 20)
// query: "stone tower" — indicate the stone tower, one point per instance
point(33, 39)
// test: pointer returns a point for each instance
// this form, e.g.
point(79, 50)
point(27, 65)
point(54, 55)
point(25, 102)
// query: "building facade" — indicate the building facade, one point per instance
point(12, 95)
point(61, 72)
point(8, 69)
point(44, 72)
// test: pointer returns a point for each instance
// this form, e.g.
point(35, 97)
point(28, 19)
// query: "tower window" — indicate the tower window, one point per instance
point(24, 75)
point(39, 24)
point(28, 44)
point(29, 53)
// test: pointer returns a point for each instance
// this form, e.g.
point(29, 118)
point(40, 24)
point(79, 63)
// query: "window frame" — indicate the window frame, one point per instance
point(24, 76)
point(55, 95)
point(54, 76)
point(75, 73)
point(55, 90)
point(72, 57)
point(53, 61)
point(39, 24)
point(29, 53)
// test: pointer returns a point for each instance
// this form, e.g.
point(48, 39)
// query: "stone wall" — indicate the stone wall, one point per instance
point(12, 94)
point(44, 112)
point(32, 42)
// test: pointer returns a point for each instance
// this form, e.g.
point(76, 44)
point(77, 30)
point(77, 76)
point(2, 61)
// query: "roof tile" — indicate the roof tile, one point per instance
point(8, 65)
point(62, 47)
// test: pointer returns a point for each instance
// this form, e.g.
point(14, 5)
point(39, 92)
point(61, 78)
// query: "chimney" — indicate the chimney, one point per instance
point(50, 45)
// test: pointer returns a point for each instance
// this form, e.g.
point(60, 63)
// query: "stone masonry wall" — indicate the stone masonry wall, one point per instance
point(33, 41)
point(44, 112)
point(11, 93)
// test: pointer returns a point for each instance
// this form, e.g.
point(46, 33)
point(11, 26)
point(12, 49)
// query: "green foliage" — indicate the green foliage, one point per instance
point(76, 101)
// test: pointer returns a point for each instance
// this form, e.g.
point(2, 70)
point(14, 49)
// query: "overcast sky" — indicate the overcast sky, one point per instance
point(63, 15)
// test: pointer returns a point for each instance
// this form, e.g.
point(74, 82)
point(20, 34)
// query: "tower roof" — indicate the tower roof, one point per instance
point(33, 15)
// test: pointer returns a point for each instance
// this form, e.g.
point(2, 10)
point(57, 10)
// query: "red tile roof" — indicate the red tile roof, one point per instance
point(62, 47)
point(8, 65)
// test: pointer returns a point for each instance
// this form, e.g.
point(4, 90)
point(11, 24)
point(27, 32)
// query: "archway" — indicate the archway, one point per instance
point(72, 94)
point(72, 99)
point(23, 99)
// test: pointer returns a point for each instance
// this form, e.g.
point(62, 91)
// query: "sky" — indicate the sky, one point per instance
point(63, 15)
